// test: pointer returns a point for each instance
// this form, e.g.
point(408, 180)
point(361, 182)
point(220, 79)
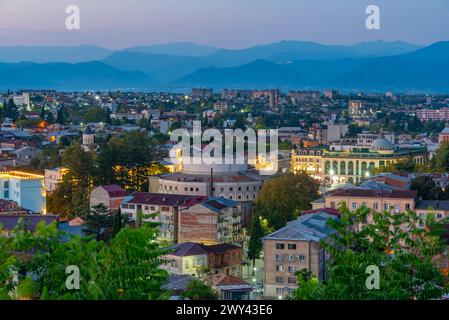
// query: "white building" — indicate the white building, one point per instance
point(24, 188)
point(53, 178)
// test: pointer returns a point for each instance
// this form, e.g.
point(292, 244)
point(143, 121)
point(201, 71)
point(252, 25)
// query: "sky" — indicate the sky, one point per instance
point(118, 24)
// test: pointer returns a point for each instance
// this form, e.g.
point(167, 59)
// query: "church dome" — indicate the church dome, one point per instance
point(381, 144)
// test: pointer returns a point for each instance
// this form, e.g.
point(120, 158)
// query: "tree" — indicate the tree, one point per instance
point(119, 222)
point(255, 243)
point(425, 186)
point(404, 253)
point(10, 110)
point(198, 290)
point(125, 268)
point(285, 195)
point(99, 223)
point(441, 159)
point(71, 198)
point(60, 116)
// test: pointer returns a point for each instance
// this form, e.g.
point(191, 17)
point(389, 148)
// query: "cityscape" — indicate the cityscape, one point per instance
point(271, 173)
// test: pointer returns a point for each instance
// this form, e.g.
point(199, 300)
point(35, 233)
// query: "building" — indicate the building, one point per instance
point(444, 135)
point(225, 259)
point(440, 209)
point(164, 208)
point(233, 182)
point(396, 201)
point(26, 189)
point(110, 196)
point(294, 248)
point(202, 93)
point(308, 160)
point(213, 221)
point(433, 114)
point(230, 288)
point(8, 222)
point(353, 163)
point(53, 177)
point(88, 137)
point(336, 131)
point(330, 94)
point(197, 259)
point(186, 258)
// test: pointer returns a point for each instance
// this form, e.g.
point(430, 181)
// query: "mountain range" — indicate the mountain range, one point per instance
point(373, 66)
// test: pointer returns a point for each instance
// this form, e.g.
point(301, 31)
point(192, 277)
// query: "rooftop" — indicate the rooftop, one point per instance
point(309, 227)
point(368, 193)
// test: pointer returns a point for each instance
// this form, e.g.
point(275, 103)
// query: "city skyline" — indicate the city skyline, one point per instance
point(220, 25)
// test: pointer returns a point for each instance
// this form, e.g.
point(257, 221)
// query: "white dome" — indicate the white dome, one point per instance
point(382, 144)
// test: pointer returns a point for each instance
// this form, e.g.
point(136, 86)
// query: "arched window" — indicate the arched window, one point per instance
point(351, 168)
point(364, 168)
point(335, 167)
point(372, 167)
point(327, 167)
point(342, 168)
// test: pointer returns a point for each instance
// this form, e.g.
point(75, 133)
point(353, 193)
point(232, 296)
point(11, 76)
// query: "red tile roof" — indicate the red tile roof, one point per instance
point(330, 211)
point(164, 199)
point(362, 193)
point(114, 190)
point(226, 280)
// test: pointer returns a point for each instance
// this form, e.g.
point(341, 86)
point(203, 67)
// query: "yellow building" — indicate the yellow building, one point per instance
point(352, 163)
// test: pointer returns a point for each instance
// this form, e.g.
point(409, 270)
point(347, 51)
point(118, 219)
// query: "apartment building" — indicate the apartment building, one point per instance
point(213, 221)
point(294, 248)
point(379, 200)
point(164, 208)
point(197, 259)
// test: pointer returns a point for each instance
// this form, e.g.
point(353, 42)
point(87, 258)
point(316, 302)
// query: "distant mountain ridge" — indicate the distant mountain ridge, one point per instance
point(70, 77)
point(425, 69)
point(368, 66)
point(168, 67)
point(175, 49)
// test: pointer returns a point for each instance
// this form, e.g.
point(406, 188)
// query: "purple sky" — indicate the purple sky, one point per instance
point(223, 23)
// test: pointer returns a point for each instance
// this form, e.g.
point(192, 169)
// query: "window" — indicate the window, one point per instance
point(290, 258)
point(407, 206)
point(333, 204)
point(278, 257)
point(375, 206)
point(292, 246)
point(439, 216)
point(301, 258)
point(279, 279)
point(279, 268)
point(354, 206)
point(386, 207)
point(280, 246)
point(291, 280)
point(291, 269)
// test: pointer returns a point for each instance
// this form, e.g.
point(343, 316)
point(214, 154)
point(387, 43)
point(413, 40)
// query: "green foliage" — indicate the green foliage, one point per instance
point(285, 195)
point(255, 246)
point(99, 223)
point(125, 268)
point(403, 252)
point(198, 290)
point(441, 159)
